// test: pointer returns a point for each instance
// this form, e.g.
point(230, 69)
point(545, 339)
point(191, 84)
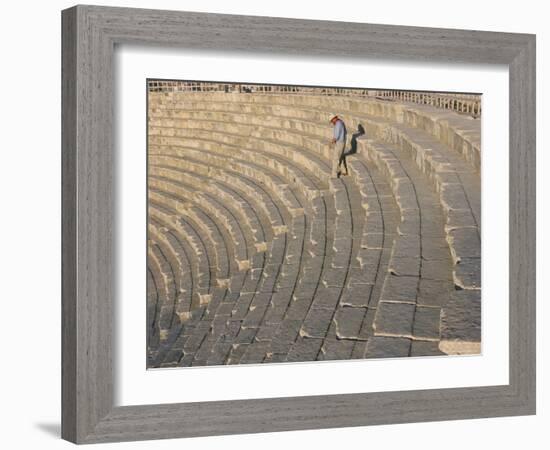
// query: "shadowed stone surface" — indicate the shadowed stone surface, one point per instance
point(387, 347)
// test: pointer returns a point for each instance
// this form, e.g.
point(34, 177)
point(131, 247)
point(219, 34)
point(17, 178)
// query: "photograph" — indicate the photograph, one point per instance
point(291, 223)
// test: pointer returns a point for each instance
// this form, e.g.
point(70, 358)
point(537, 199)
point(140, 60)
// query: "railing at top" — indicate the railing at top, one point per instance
point(461, 103)
point(185, 86)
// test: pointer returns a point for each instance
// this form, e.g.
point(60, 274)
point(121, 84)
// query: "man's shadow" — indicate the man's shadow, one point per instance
point(353, 146)
point(353, 149)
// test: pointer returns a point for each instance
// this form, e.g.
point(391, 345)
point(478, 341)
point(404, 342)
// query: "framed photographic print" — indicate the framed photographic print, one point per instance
point(243, 204)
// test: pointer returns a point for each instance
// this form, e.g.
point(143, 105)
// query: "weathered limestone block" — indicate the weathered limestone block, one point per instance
point(467, 273)
point(387, 347)
point(220, 352)
point(452, 197)
point(298, 308)
point(336, 349)
point(348, 322)
point(400, 288)
point(326, 297)
point(341, 202)
point(464, 243)
point(343, 227)
point(409, 266)
point(316, 323)
point(425, 348)
point(305, 349)
point(462, 218)
point(257, 310)
point(372, 240)
point(317, 233)
point(255, 353)
point(364, 275)
point(461, 323)
point(236, 353)
point(266, 332)
point(410, 223)
point(285, 336)
point(336, 185)
point(342, 252)
point(194, 341)
point(394, 319)
point(406, 246)
point(277, 249)
point(241, 306)
point(436, 269)
point(334, 277)
point(426, 323)
point(356, 295)
point(368, 257)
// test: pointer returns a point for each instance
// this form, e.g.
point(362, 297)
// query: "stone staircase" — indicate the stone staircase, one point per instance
point(256, 255)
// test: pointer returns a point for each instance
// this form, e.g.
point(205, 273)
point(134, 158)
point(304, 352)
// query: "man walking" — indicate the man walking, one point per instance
point(339, 143)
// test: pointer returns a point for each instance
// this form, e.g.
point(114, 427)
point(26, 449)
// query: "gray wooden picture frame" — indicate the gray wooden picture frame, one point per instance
point(89, 37)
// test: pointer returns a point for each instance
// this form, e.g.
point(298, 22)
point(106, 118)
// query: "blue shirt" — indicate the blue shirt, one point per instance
point(339, 131)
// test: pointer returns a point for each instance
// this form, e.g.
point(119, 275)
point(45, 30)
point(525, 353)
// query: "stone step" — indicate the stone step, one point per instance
point(218, 191)
point(176, 254)
point(452, 129)
point(164, 281)
point(252, 190)
point(243, 324)
point(270, 153)
point(241, 222)
point(462, 211)
point(276, 177)
point(194, 248)
point(418, 252)
point(153, 310)
point(177, 196)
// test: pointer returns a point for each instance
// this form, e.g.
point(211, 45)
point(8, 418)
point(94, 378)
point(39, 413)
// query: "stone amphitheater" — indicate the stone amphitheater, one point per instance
point(255, 255)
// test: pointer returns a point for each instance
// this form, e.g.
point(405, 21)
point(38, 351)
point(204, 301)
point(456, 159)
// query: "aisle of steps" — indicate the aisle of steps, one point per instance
point(294, 266)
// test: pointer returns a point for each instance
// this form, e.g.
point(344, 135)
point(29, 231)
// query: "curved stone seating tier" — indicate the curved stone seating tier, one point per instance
point(218, 243)
point(369, 266)
point(182, 164)
point(275, 176)
point(207, 192)
point(185, 239)
point(294, 160)
point(253, 191)
point(178, 258)
point(317, 143)
point(461, 133)
point(178, 197)
point(209, 303)
point(266, 132)
point(458, 188)
point(272, 209)
point(179, 324)
point(455, 130)
point(419, 289)
point(209, 298)
point(204, 298)
point(292, 255)
point(166, 289)
point(236, 322)
point(153, 310)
